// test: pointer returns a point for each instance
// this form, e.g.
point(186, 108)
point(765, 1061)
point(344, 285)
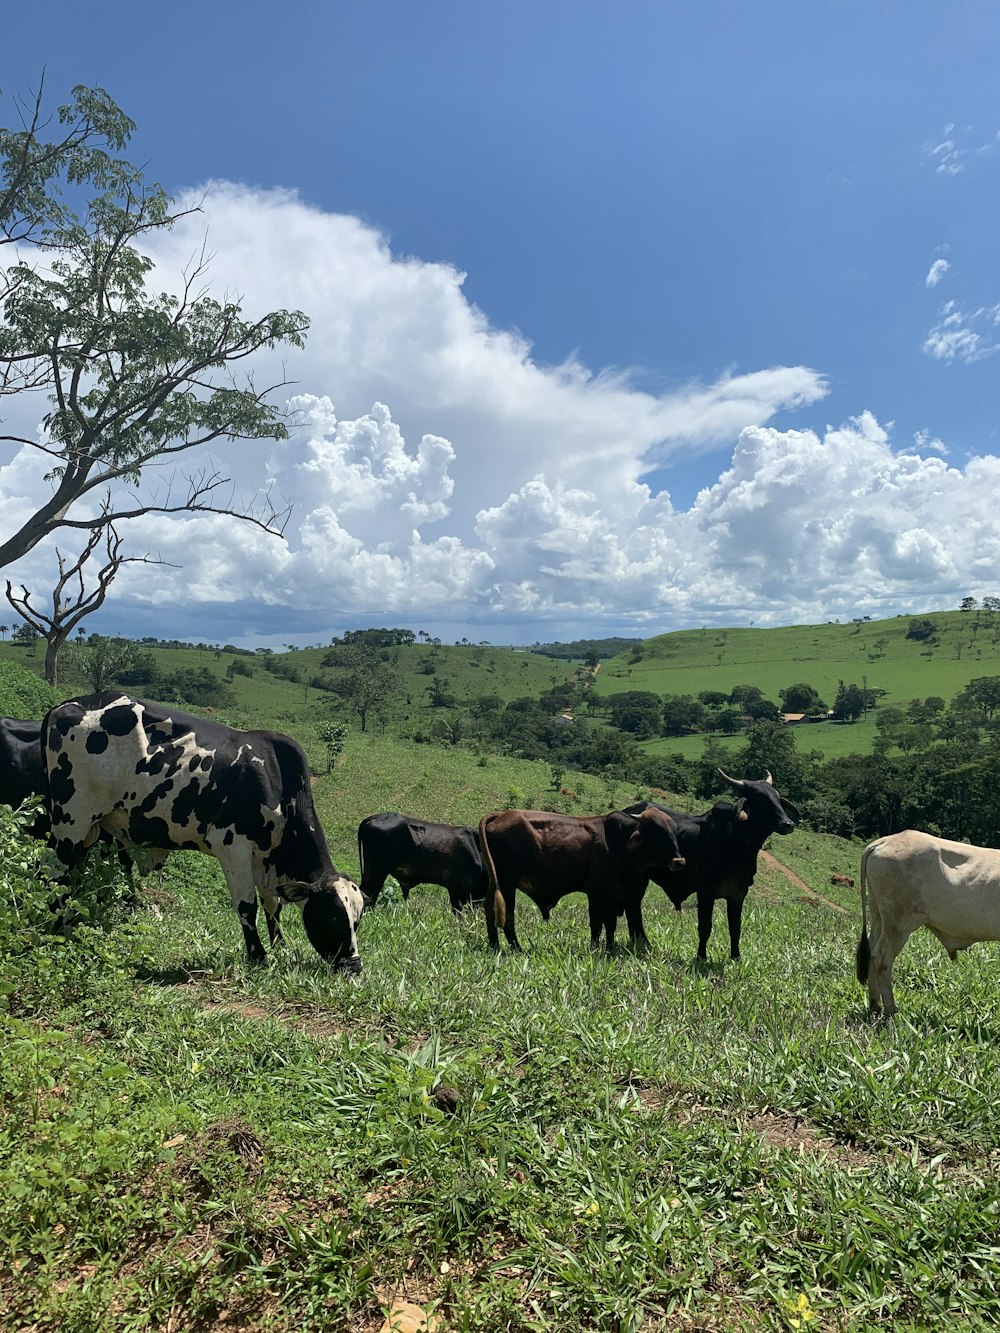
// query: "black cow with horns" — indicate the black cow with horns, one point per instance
point(720, 856)
point(157, 778)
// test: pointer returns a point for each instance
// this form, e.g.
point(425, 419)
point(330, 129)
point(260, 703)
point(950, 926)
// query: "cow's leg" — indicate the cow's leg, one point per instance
point(610, 925)
point(272, 915)
point(244, 896)
point(596, 922)
point(734, 914)
point(633, 918)
point(886, 944)
point(706, 906)
point(457, 899)
point(508, 925)
point(372, 883)
point(881, 998)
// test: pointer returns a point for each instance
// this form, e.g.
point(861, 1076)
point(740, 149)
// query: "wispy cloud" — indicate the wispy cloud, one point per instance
point(963, 335)
point(926, 442)
point(945, 154)
point(936, 272)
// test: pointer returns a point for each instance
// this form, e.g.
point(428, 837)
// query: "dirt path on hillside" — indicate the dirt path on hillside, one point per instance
point(773, 863)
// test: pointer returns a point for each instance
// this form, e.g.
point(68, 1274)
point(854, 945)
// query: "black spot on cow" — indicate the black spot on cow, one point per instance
point(119, 720)
point(97, 742)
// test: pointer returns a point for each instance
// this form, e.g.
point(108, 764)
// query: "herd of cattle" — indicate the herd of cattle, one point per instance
point(145, 779)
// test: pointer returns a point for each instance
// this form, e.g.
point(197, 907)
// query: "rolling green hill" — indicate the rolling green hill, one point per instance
point(873, 653)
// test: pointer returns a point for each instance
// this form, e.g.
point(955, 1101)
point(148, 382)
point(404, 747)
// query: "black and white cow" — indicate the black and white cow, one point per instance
point(160, 779)
point(415, 851)
point(22, 775)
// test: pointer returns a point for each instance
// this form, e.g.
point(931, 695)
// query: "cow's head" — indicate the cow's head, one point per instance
point(761, 806)
point(330, 914)
point(655, 839)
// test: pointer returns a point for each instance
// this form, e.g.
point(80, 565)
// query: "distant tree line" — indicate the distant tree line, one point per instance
point(581, 649)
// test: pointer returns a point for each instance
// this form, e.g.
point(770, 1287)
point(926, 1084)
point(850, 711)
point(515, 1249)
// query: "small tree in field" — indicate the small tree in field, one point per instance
point(100, 661)
point(334, 737)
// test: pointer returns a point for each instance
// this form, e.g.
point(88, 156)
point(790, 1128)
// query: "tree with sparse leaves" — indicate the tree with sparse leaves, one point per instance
point(132, 376)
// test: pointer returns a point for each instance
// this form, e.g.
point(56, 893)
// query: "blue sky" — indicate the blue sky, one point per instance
point(649, 202)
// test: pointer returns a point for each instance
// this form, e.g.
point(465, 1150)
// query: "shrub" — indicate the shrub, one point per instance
point(22, 693)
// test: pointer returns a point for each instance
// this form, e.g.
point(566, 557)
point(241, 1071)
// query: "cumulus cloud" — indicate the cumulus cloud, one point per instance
point(440, 473)
point(936, 272)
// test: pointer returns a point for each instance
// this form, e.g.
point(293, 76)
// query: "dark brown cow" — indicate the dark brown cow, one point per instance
point(607, 857)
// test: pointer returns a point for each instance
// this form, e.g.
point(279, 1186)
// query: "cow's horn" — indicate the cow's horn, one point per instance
point(767, 777)
point(738, 783)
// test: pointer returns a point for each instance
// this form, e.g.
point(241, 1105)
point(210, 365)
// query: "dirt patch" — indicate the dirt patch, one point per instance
point(811, 895)
point(306, 1022)
point(781, 1130)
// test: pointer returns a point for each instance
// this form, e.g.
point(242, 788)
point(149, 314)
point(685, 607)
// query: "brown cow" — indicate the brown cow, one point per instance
point(607, 857)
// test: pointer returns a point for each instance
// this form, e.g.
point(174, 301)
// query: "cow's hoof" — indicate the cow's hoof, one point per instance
point(351, 967)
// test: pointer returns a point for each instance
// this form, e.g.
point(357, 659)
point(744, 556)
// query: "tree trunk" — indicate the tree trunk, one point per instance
point(52, 646)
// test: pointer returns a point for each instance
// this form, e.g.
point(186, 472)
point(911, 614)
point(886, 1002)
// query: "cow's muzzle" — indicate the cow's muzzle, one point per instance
point(678, 863)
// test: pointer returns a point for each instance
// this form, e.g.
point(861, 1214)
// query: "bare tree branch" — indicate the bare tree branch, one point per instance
point(71, 602)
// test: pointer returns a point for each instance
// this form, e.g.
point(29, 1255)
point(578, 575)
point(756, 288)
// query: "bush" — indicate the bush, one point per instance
point(51, 934)
point(22, 693)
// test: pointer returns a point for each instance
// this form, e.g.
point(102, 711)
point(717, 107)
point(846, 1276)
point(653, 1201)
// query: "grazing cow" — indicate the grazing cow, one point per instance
point(916, 880)
point(547, 856)
point(154, 777)
point(720, 854)
point(417, 852)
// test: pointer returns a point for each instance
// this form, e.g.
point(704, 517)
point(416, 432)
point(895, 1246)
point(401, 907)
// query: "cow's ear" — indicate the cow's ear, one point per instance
point(790, 810)
point(741, 813)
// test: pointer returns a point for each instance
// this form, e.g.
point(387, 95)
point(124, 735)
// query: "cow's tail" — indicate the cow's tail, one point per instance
point(863, 958)
point(496, 907)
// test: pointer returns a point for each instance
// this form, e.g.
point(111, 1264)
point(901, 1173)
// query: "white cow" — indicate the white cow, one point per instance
point(916, 880)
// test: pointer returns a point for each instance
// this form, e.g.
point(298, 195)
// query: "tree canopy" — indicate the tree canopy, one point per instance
point(129, 374)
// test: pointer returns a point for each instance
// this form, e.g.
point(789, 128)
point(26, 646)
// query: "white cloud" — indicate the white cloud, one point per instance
point(440, 474)
point(924, 441)
point(936, 272)
point(945, 154)
point(954, 338)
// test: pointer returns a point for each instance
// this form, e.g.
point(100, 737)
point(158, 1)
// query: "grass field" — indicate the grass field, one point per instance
point(637, 1144)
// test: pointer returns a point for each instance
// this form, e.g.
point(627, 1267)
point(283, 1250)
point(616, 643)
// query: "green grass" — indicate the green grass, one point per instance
point(639, 1143)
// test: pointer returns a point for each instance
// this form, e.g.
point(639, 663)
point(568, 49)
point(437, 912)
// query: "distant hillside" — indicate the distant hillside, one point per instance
point(962, 645)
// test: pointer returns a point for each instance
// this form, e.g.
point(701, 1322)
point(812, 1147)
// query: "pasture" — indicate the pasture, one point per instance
point(632, 1144)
